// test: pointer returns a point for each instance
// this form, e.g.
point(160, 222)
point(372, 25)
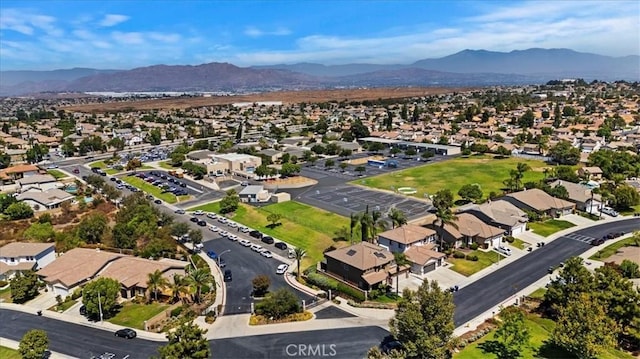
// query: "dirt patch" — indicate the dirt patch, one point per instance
point(287, 97)
point(364, 160)
point(630, 253)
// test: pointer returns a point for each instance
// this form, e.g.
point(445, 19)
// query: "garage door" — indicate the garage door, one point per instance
point(517, 230)
point(429, 267)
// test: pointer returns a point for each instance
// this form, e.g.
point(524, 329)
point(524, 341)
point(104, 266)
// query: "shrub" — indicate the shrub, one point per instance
point(351, 292)
point(458, 254)
point(3, 283)
point(76, 294)
point(473, 258)
point(509, 239)
point(177, 311)
point(474, 246)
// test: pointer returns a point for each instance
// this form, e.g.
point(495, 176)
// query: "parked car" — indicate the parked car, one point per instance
point(282, 268)
point(256, 247)
point(245, 242)
point(266, 254)
point(179, 211)
point(504, 250)
point(194, 219)
point(222, 263)
point(83, 310)
point(198, 213)
point(157, 201)
point(211, 215)
point(227, 275)
point(212, 255)
point(281, 245)
point(609, 211)
point(597, 241)
point(256, 234)
point(244, 229)
point(126, 333)
point(268, 239)
point(202, 223)
point(76, 171)
point(212, 228)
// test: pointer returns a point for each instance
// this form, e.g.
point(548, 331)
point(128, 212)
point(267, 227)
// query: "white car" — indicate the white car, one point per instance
point(245, 242)
point(198, 245)
point(256, 247)
point(213, 228)
point(222, 220)
point(198, 213)
point(232, 224)
point(232, 237)
point(211, 215)
point(504, 250)
point(267, 254)
point(609, 211)
point(244, 229)
point(282, 269)
point(223, 233)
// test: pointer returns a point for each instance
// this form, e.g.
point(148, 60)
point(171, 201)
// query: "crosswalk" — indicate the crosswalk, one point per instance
point(579, 237)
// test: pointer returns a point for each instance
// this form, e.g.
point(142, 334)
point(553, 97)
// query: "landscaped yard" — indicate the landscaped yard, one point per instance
point(611, 249)
point(541, 330)
point(518, 243)
point(133, 315)
point(5, 295)
point(302, 226)
point(453, 174)
point(467, 267)
point(57, 174)
point(549, 227)
point(153, 190)
point(64, 306)
point(104, 166)
point(538, 293)
point(8, 353)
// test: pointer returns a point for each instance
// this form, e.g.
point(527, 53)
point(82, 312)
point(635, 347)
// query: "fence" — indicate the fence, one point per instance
point(155, 323)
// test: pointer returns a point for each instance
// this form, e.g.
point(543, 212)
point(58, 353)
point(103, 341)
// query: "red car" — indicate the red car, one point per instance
point(76, 171)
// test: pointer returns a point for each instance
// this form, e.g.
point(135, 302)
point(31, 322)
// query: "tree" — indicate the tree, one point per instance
point(343, 166)
point(195, 235)
point(133, 164)
point(154, 137)
point(629, 269)
point(92, 228)
point(279, 304)
point(397, 217)
point(625, 197)
point(5, 160)
point(36, 153)
point(470, 192)
point(573, 280)
point(177, 158)
point(156, 282)
point(443, 201)
point(583, 328)
point(101, 293)
point(261, 285)
point(117, 143)
point(230, 202)
point(178, 287)
point(34, 344)
point(298, 254)
point(179, 229)
point(19, 210)
point(513, 333)
point(199, 278)
point(375, 147)
point(95, 181)
point(329, 163)
point(527, 120)
point(274, 218)
point(187, 341)
point(110, 192)
point(564, 153)
point(559, 191)
point(423, 322)
point(360, 169)
point(289, 169)
point(24, 287)
point(41, 232)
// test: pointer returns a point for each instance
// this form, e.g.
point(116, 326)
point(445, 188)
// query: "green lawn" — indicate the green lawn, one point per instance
point(467, 267)
point(151, 189)
point(56, 174)
point(64, 306)
point(453, 174)
point(538, 293)
point(540, 330)
point(8, 353)
point(302, 226)
point(5, 295)
point(166, 165)
point(518, 243)
point(133, 315)
point(549, 227)
point(105, 167)
point(611, 249)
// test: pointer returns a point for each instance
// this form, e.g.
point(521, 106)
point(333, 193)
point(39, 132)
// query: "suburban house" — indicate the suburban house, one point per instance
point(81, 265)
point(273, 155)
point(363, 265)
point(38, 181)
point(581, 195)
point(11, 174)
point(470, 230)
point(19, 256)
point(417, 243)
point(539, 201)
point(501, 214)
point(44, 200)
point(253, 194)
point(590, 173)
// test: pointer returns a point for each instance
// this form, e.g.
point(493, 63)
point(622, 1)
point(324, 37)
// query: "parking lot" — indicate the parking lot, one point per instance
point(347, 199)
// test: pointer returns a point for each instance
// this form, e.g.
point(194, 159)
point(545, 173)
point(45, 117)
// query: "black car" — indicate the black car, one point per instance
point(83, 310)
point(194, 219)
point(597, 241)
point(157, 201)
point(281, 245)
point(268, 239)
point(389, 344)
point(126, 333)
point(113, 179)
point(227, 275)
point(256, 234)
point(202, 223)
point(182, 184)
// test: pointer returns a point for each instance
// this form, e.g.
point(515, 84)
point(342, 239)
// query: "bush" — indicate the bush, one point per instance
point(3, 283)
point(474, 246)
point(322, 281)
point(351, 292)
point(458, 254)
point(509, 239)
point(473, 258)
point(176, 311)
point(76, 294)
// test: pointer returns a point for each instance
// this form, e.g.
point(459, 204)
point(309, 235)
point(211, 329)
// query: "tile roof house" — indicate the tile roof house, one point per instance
point(500, 214)
point(470, 230)
point(14, 173)
point(44, 200)
point(591, 173)
point(363, 265)
point(540, 202)
point(38, 181)
point(581, 195)
point(20, 256)
point(417, 243)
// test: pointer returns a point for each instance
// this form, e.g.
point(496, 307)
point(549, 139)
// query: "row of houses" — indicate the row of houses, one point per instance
point(41, 191)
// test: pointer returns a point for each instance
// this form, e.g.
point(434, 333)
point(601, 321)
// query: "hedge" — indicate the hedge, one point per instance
point(325, 283)
point(458, 254)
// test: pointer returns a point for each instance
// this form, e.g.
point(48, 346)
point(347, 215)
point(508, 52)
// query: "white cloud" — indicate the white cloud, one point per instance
point(253, 31)
point(112, 20)
point(128, 38)
point(26, 22)
point(163, 37)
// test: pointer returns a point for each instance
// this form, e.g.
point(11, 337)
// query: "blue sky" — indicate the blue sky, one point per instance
point(45, 35)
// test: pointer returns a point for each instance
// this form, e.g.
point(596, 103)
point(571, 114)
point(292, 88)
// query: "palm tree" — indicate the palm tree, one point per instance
point(199, 278)
point(366, 221)
point(298, 255)
point(444, 216)
point(156, 282)
point(397, 217)
point(354, 220)
point(178, 288)
point(377, 223)
point(401, 260)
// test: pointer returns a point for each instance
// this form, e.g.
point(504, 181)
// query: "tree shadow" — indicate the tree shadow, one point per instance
point(552, 351)
point(499, 349)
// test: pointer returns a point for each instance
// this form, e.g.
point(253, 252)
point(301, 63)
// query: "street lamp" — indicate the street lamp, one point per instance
point(100, 306)
point(220, 255)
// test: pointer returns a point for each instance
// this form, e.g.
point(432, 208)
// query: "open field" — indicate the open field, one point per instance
point(453, 174)
point(612, 249)
point(301, 226)
point(314, 96)
point(133, 315)
point(549, 227)
point(538, 346)
point(467, 267)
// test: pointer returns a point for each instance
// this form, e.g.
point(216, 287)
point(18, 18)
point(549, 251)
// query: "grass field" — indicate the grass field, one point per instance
point(467, 267)
point(133, 315)
point(541, 330)
point(104, 166)
point(453, 174)
point(611, 249)
point(8, 353)
point(549, 227)
point(302, 226)
point(56, 174)
point(151, 189)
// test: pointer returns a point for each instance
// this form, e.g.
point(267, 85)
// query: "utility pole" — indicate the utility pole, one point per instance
point(100, 306)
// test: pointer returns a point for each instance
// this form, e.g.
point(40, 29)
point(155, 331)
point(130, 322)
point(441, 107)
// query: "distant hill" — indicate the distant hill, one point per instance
point(468, 67)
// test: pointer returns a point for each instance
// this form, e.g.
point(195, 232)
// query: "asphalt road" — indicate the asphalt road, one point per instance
point(84, 342)
point(502, 285)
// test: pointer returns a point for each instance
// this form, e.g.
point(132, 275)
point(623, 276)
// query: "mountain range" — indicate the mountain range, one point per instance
point(465, 68)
